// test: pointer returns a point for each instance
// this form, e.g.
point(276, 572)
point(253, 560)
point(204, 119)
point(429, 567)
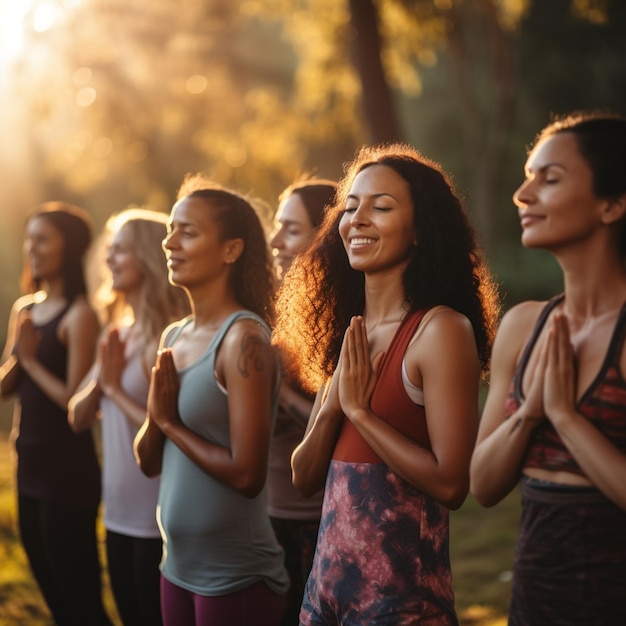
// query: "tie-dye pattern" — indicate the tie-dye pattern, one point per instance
point(382, 555)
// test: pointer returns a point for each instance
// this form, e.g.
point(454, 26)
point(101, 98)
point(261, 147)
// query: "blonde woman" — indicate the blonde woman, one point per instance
point(136, 302)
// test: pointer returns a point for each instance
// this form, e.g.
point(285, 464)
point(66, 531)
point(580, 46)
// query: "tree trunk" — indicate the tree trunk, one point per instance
point(378, 107)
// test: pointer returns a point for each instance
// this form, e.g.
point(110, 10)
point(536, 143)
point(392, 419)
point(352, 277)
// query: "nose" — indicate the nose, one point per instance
point(359, 217)
point(166, 244)
point(277, 240)
point(523, 195)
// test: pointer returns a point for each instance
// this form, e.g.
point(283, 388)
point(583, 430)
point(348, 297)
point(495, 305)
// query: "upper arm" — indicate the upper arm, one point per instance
point(446, 360)
point(510, 339)
point(18, 305)
point(81, 332)
point(248, 365)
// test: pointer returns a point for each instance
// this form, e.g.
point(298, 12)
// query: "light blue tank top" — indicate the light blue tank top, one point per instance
point(215, 540)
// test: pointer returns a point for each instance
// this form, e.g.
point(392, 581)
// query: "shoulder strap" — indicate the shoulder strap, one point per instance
point(424, 321)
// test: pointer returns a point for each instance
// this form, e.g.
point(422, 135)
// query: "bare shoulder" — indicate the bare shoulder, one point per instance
point(169, 330)
point(519, 320)
point(442, 322)
point(247, 329)
point(247, 345)
point(23, 302)
point(81, 312)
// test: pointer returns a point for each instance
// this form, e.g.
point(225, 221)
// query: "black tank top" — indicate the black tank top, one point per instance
point(54, 464)
point(603, 403)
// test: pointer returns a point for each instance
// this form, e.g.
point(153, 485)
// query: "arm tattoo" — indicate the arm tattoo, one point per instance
point(253, 350)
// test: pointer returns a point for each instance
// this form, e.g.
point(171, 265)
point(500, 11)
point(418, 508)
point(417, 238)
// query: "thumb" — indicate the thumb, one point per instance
point(377, 360)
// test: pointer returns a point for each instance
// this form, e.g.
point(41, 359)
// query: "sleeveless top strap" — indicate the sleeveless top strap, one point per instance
point(530, 344)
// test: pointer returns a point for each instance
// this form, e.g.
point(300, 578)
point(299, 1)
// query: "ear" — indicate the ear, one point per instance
point(614, 211)
point(232, 250)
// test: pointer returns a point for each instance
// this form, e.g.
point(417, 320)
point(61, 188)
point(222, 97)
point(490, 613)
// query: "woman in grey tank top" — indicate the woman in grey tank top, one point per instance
point(211, 408)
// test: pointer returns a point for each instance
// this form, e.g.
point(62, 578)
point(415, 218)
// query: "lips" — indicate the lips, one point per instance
point(526, 219)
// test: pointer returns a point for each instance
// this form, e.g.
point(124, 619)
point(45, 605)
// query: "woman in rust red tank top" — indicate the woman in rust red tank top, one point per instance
point(555, 417)
point(393, 426)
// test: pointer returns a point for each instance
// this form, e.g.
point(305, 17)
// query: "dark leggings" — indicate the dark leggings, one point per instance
point(256, 604)
point(135, 578)
point(298, 539)
point(60, 542)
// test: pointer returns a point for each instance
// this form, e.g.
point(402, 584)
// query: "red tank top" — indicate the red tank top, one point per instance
point(603, 403)
point(390, 401)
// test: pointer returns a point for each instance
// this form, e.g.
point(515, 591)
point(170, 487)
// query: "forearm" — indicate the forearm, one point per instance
point(497, 460)
point(9, 376)
point(603, 463)
point(148, 448)
point(311, 459)
point(83, 407)
point(243, 473)
point(136, 413)
point(57, 390)
point(446, 482)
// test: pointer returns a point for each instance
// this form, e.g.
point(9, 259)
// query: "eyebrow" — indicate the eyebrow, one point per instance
point(547, 166)
point(374, 195)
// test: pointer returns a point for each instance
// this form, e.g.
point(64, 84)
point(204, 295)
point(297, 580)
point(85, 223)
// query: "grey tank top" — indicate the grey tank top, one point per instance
point(216, 541)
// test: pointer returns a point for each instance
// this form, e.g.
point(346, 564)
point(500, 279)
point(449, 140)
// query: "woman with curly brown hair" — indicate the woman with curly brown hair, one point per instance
point(211, 408)
point(390, 313)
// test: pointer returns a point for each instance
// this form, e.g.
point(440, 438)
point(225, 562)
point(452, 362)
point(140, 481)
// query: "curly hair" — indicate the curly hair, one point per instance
point(75, 227)
point(253, 279)
point(161, 302)
point(322, 292)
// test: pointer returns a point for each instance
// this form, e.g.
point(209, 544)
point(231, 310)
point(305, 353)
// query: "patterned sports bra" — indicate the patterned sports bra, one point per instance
point(603, 403)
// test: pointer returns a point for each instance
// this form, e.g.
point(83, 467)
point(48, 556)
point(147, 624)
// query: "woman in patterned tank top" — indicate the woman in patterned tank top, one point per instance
point(555, 417)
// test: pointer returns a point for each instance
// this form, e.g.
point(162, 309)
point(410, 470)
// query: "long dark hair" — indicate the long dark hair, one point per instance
point(252, 278)
point(322, 292)
point(75, 227)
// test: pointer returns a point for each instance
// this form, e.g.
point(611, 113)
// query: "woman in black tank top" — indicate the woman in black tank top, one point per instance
point(555, 416)
point(50, 346)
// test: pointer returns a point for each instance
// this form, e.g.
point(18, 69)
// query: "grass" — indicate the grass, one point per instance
point(482, 545)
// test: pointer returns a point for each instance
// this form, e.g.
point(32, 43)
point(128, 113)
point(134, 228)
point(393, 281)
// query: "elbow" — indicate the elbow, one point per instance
point(484, 497)
point(151, 470)
point(76, 427)
point(250, 485)
point(484, 492)
point(306, 488)
point(453, 496)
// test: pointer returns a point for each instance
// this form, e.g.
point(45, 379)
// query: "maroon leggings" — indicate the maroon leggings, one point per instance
point(256, 604)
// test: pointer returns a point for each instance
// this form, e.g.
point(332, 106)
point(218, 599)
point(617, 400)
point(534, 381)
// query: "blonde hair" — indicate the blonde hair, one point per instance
point(161, 303)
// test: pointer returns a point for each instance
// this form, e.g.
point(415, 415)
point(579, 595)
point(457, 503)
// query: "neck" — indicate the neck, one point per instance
point(209, 308)
point(384, 300)
point(595, 287)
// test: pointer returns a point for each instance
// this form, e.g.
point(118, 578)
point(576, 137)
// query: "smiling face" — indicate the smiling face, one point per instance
point(293, 231)
point(193, 246)
point(125, 270)
point(557, 205)
point(44, 247)
point(377, 227)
